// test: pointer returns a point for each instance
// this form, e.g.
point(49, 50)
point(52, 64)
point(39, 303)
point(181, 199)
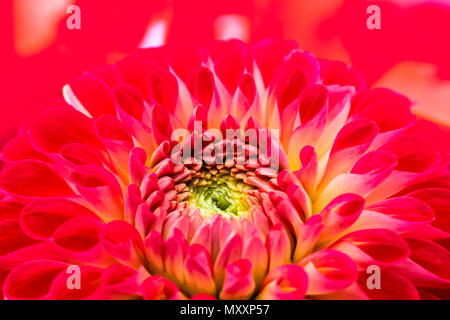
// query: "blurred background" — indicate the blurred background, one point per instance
point(39, 54)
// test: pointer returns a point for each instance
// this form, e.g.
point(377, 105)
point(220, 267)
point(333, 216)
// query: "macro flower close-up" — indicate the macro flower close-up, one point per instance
point(228, 171)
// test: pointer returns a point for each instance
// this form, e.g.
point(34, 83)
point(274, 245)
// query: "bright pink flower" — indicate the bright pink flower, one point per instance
point(349, 183)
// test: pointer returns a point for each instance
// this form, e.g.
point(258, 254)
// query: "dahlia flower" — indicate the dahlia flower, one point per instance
point(233, 171)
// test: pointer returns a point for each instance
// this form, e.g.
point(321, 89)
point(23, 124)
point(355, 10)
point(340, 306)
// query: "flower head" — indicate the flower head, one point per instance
point(234, 172)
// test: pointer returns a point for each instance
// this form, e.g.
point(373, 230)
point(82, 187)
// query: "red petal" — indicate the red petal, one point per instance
point(33, 178)
point(42, 217)
point(124, 242)
point(373, 246)
point(229, 68)
point(79, 234)
point(19, 148)
point(90, 280)
point(392, 287)
point(269, 54)
point(200, 83)
point(184, 58)
point(130, 100)
point(94, 95)
point(58, 127)
point(163, 88)
point(12, 237)
point(32, 280)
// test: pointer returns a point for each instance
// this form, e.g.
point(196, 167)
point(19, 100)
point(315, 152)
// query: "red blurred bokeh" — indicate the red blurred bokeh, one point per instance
point(40, 54)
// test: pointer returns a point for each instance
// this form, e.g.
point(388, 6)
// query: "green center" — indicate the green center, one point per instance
point(219, 195)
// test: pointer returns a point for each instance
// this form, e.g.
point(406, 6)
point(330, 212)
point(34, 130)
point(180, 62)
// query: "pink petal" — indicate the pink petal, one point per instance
point(198, 271)
point(340, 214)
point(238, 283)
point(328, 271)
point(350, 144)
point(159, 288)
point(279, 247)
point(368, 173)
point(287, 282)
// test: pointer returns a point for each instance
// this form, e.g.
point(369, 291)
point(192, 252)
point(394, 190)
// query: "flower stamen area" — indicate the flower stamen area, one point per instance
point(219, 194)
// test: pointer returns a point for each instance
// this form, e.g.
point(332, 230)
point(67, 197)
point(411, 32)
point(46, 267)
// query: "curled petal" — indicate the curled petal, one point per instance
point(287, 282)
point(340, 214)
point(328, 271)
point(308, 234)
point(238, 283)
point(159, 288)
point(256, 253)
point(308, 175)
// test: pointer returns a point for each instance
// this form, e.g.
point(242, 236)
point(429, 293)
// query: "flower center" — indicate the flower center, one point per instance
point(219, 194)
